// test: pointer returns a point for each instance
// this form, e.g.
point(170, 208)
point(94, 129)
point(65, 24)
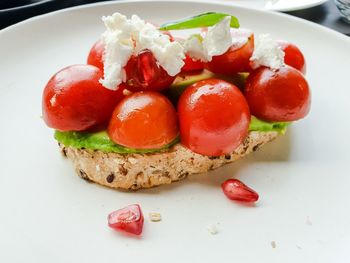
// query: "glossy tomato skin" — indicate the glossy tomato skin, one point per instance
point(144, 120)
point(74, 100)
point(143, 73)
point(192, 65)
point(234, 60)
point(278, 95)
point(95, 56)
point(293, 56)
point(214, 117)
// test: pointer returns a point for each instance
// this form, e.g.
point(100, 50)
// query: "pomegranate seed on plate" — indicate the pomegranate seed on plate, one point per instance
point(238, 191)
point(129, 219)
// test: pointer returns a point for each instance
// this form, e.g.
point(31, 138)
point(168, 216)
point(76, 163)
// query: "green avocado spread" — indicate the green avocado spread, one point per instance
point(101, 141)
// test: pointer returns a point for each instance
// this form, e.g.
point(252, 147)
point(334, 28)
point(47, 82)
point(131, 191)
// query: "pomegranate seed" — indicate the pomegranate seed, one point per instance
point(129, 219)
point(238, 191)
point(143, 72)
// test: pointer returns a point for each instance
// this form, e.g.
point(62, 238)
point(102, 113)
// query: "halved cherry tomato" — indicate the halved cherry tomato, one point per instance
point(74, 100)
point(214, 117)
point(192, 65)
point(234, 60)
point(144, 120)
point(143, 73)
point(95, 57)
point(293, 56)
point(278, 95)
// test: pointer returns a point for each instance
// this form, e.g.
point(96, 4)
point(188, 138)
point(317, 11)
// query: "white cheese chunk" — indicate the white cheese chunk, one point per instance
point(216, 42)
point(267, 53)
point(125, 37)
point(218, 39)
point(194, 48)
point(240, 37)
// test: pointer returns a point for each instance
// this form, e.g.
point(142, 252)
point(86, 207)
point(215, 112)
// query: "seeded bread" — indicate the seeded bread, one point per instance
point(135, 171)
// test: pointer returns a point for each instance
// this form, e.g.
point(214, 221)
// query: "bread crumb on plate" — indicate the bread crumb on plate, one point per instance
point(155, 217)
point(273, 244)
point(212, 229)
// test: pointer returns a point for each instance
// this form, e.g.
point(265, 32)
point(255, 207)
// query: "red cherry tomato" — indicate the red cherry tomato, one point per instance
point(280, 95)
point(144, 120)
point(74, 100)
point(95, 57)
point(214, 117)
point(192, 65)
point(234, 60)
point(143, 73)
point(293, 56)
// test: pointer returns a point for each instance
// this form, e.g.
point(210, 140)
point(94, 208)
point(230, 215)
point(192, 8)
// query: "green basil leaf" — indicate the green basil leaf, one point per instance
point(202, 20)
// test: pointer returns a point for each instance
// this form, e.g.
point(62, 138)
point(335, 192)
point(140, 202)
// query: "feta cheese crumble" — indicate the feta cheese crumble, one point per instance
point(240, 37)
point(126, 37)
point(216, 42)
point(218, 39)
point(267, 53)
point(194, 48)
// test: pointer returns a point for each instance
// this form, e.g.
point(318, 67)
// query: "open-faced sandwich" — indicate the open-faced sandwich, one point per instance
point(151, 107)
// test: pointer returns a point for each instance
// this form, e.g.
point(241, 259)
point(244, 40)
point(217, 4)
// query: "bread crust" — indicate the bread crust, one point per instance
point(135, 171)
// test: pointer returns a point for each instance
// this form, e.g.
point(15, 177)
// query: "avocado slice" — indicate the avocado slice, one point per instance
point(260, 125)
point(101, 141)
point(183, 81)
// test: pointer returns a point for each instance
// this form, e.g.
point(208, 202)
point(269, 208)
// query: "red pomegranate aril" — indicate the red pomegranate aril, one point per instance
point(144, 73)
point(238, 191)
point(128, 219)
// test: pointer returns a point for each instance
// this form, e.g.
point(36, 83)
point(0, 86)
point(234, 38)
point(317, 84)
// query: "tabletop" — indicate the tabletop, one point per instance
point(326, 14)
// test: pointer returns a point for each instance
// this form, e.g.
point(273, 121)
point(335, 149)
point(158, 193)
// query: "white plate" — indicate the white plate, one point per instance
point(280, 5)
point(48, 214)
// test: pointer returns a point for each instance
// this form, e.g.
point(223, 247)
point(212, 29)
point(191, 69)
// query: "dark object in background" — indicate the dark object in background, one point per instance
point(327, 15)
point(13, 11)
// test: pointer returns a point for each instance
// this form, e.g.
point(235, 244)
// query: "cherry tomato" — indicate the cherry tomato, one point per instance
point(293, 56)
point(144, 120)
point(74, 100)
point(234, 60)
point(280, 95)
point(192, 65)
point(143, 73)
point(95, 57)
point(214, 117)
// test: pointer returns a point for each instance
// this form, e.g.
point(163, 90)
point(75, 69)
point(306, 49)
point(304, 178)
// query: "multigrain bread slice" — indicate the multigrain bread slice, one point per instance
point(135, 171)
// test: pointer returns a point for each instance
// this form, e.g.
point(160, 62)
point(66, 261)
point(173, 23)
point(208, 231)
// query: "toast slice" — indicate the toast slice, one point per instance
point(135, 171)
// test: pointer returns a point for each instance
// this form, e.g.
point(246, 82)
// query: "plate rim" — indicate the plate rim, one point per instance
point(207, 2)
point(320, 2)
point(17, 8)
